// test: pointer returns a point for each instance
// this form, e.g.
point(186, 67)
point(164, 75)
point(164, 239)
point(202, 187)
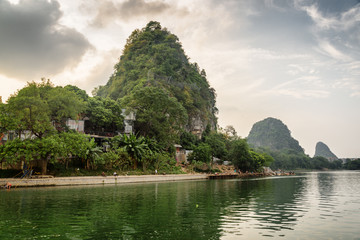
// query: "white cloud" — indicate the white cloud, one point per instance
point(351, 18)
point(321, 21)
point(108, 11)
point(328, 49)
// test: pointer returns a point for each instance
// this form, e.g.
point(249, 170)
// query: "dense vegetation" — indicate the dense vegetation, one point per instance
point(37, 115)
point(173, 104)
point(273, 137)
point(352, 164)
point(154, 79)
point(38, 112)
point(153, 63)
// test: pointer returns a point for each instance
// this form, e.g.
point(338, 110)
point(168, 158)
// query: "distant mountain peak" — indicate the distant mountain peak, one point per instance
point(322, 150)
point(273, 134)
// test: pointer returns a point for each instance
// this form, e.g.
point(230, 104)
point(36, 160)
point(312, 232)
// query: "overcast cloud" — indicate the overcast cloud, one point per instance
point(108, 11)
point(296, 60)
point(33, 44)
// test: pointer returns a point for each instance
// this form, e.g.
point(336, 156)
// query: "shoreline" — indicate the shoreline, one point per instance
point(120, 179)
point(96, 180)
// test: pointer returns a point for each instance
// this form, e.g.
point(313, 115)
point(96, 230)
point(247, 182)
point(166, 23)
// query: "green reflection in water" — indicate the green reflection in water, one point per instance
point(227, 209)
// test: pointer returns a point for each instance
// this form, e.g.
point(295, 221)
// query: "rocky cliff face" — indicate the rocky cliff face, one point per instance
point(274, 135)
point(322, 150)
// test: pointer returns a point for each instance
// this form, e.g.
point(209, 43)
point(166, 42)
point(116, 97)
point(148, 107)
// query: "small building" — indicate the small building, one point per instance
point(180, 154)
point(77, 125)
point(129, 120)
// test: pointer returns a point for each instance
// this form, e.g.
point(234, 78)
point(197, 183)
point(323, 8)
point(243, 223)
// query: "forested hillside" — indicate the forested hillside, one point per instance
point(273, 137)
point(322, 150)
point(273, 134)
point(155, 79)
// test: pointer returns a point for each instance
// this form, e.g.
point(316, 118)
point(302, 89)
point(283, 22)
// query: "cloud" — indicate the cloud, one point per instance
point(308, 86)
point(33, 43)
point(328, 49)
point(95, 69)
point(305, 94)
point(336, 31)
point(109, 11)
point(321, 21)
point(350, 84)
point(339, 19)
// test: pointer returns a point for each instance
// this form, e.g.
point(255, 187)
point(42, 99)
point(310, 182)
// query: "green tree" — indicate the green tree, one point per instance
point(188, 140)
point(79, 92)
point(105, 115)
point(257, 160)
point(63, 104)
point(320, 163)
point(217, 143)
point(206, 132)
point(46, 149)
point(6, 121)
point(240, 156)
point(201, 153)
point(352, 164)
point(268, 159)
point(38, 105)
point(135, 147)
point(77, 145)
point(158, 115)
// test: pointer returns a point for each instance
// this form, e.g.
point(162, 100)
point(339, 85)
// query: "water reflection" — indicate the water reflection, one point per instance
point(315, 205)
point(268, 205)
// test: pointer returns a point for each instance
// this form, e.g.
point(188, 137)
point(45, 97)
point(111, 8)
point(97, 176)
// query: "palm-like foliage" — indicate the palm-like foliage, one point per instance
point(135, 147)
point(140, 149)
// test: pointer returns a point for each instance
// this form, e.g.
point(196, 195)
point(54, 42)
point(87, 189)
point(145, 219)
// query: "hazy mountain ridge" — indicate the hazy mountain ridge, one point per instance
point(322, 150)
point(274, 135)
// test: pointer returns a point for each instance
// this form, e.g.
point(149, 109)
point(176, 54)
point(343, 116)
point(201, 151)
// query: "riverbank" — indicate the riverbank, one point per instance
point(95, 180)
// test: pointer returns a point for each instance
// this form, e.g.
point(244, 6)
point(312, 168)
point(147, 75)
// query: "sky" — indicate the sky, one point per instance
point(294, 60)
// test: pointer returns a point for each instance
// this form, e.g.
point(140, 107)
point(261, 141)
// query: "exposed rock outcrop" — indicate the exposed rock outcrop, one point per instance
point(274, 135)
point(322, 150)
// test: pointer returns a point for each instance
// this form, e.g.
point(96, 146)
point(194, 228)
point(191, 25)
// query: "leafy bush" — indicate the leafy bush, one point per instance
point(201, 153)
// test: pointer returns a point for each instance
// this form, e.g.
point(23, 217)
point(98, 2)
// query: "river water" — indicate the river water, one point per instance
point(315, 205)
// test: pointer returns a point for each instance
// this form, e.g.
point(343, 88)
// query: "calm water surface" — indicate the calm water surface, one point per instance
point(317, 205)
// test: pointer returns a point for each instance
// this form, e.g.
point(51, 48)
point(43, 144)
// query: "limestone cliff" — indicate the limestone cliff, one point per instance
point(322, 150)
point(274, 135)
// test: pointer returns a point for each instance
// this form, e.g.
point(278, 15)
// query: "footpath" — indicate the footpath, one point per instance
point(94, 180)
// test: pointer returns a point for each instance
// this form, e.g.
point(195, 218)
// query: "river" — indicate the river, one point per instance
point(314, 205)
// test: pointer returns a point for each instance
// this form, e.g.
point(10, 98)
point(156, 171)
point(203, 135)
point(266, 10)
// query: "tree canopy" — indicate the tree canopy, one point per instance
point(158, 115)
point(38, 106)
point(104, 114)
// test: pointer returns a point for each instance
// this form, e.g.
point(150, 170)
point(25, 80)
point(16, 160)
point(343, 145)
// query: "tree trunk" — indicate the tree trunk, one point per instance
point(144, 165)
point(135, 164)
point(44, 166)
